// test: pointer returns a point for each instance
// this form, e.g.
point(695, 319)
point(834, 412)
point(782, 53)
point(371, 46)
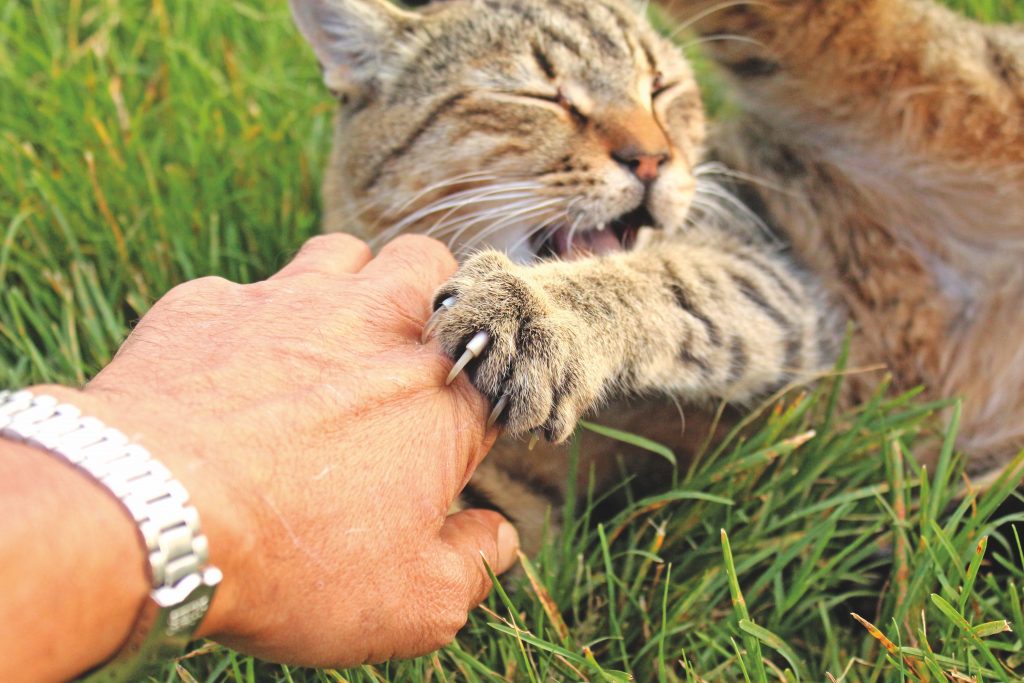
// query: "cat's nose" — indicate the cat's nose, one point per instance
point(635, 141)
point(645, 164)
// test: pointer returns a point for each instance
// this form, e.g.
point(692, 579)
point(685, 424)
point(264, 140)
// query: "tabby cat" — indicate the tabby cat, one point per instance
point(615, 248)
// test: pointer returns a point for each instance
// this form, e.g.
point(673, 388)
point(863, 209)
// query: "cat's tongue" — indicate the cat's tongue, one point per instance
point(585, 242)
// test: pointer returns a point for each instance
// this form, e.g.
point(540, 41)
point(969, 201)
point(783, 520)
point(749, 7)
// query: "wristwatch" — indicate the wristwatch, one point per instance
point(182, 581)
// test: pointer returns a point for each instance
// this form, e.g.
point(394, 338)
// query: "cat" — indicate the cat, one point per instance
point(616, 245)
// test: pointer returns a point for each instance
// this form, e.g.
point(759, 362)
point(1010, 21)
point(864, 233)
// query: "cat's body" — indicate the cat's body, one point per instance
point(885, 140)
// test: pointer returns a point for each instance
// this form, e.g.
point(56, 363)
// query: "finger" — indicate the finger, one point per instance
point(333, 254)
point(413, 265)
point(475, 533)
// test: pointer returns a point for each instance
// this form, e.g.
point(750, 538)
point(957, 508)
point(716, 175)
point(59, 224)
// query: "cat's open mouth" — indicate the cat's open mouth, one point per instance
point(616, 235)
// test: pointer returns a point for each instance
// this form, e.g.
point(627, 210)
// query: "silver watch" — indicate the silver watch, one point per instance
point(183, 582)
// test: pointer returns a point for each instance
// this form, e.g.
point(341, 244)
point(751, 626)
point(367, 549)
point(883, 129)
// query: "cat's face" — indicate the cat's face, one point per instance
point(534, 126)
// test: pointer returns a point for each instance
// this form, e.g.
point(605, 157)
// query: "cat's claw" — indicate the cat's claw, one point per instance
point(499, 408)
point(435, 318)
point(474, 348)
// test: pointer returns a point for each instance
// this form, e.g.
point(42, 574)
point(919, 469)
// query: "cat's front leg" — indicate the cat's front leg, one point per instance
point(706, 319)
point(523, 344)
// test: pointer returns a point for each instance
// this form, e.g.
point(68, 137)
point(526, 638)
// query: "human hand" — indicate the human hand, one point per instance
point(321, 448)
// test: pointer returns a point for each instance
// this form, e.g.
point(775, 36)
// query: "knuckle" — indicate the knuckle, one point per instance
point(212, 283)
point(445, 625)
point(441, 620)
point(417, 243)
point(335, 241)
point(439, 638)
point(210, 286)
point(455, 624)
point(418, 248)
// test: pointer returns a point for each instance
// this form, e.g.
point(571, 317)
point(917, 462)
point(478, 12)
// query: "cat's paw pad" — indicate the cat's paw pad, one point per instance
point(518, 347)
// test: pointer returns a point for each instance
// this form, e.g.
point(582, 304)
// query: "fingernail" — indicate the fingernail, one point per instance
point(508, 546)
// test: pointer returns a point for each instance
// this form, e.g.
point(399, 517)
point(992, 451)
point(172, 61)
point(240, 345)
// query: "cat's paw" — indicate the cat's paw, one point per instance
point(519, 348)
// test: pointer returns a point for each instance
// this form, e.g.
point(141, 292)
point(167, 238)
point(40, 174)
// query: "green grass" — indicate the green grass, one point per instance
point(143, 143)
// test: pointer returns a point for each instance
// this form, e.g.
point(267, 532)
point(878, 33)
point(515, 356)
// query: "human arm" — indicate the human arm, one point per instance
point(316, 438)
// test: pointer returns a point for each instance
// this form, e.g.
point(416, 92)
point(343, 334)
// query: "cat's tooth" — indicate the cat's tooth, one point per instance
point(435, 318)
point(474, 348)
point(499, 408)
point(534, 438)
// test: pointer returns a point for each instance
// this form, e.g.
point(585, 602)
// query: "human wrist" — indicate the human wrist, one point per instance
point(175, 443)
point(87, 570)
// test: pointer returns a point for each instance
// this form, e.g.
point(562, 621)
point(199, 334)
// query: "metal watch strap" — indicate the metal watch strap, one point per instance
point(182, 582)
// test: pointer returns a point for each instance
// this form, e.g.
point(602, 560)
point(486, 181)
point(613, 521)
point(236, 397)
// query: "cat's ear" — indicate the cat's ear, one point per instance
point(350, 37)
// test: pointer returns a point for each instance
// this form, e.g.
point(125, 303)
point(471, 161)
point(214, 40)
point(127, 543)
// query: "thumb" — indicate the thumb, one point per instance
point(472, 533)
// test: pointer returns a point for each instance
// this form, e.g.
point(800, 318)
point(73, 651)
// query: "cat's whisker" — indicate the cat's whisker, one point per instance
point(713, 189)
point(716, 205)
point(473, 191)
point(522, 221)
point(714, 168)
point(475, 176)
point(443, 183)
point(708, 214)
point(708, 12)
point(495, 212)
point(378, 202)
point(545, 230)
point(463, 199)
point(542, 216)
point(455, 241)
point(711, 207)
point(514, 217)
point(457, 201)
point(513, 214)
point(449, 224)
point(572, 233)
point(453, 229)
point(720, 37)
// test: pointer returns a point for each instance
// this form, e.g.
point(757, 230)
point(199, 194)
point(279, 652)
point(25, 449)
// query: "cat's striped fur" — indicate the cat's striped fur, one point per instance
point(886, 166)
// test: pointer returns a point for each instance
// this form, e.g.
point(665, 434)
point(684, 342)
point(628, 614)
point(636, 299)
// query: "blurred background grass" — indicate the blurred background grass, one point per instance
point(147, 142)
point(143, 143)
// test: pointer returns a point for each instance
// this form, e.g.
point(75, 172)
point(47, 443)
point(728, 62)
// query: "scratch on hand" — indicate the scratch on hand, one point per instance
point(292, 536)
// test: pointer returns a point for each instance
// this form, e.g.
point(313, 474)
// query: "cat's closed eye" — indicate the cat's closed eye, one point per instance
point(563, 101)
point(659, 85)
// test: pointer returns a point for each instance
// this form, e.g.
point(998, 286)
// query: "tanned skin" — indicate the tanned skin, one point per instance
point(316, 438)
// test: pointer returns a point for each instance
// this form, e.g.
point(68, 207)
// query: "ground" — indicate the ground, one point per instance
point(144, 143)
